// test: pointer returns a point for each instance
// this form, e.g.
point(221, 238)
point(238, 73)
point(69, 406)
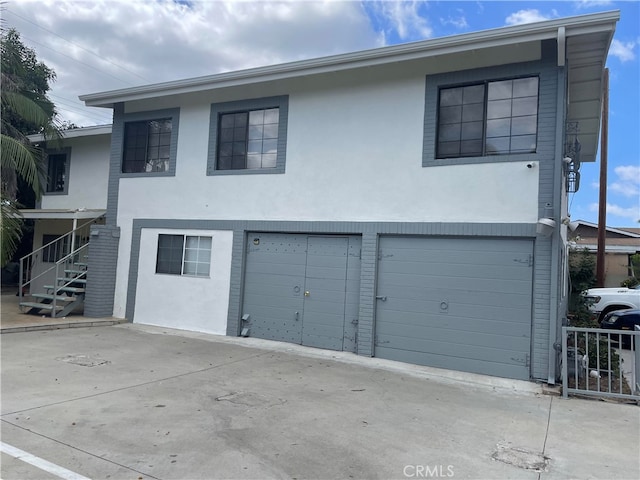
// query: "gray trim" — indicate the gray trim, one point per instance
point(366, 318)
point(115, 161)
point(117, 145)
point(558, 305)
point(547, 85)
point(236, 293)
point(67, 168)
point(369, 231)
point(282, 102)
point(118, 142)
point(544, 312)
point(101, 272)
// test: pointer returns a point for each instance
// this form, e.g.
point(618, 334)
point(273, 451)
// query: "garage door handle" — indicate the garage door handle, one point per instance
point(297, 316)
point(381, 297)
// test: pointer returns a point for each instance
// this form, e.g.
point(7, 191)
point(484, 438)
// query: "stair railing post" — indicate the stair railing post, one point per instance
point(73, 232)
point(55, 290)
point(20, 279)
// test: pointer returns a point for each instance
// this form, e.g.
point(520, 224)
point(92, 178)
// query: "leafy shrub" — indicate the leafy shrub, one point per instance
point(582, 266)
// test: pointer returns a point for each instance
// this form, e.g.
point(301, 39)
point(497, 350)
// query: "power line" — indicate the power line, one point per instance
point(85, 113)
point(89, 114)
point(74, 104)
point(87, 119)
point(76, 60)
point(79, 46)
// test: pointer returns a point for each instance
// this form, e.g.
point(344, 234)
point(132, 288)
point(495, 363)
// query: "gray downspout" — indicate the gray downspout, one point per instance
point(558, 189)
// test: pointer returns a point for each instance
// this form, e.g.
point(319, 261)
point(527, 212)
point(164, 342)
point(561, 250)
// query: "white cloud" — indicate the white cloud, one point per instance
point(613, 210)
point(525, 16)
point(623, 50)
point(632, 213)
point(458, 22)
point(592, 3)
point(624, 193)
point(628, 182)
point(161, 40)
point(405, 18)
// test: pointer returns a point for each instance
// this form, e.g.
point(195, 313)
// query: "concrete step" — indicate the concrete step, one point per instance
point(40, 306)
point(76, 290)
point(72, 280)
point(48, 296)
point(75, 272)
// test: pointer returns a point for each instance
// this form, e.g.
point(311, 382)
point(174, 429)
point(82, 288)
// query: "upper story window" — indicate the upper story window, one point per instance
point(248, 136)
point(57, 164)
point(489, 118)
point(147, 146)
point(248, 139)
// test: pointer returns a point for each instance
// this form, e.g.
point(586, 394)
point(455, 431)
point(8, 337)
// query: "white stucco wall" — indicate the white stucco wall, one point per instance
point(354, 153)
point(88, 174)
point(190, 303)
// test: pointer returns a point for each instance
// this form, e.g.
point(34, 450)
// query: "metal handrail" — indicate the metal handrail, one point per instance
point(30, 259)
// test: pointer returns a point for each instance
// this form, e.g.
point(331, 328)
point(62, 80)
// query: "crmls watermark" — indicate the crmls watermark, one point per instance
point(428, 471)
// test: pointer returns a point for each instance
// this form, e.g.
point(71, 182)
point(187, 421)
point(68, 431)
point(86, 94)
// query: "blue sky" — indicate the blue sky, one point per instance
point(99, 45)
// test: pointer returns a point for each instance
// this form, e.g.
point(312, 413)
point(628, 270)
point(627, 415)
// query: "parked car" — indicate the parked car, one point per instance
point(604, 300)
point(621, 320)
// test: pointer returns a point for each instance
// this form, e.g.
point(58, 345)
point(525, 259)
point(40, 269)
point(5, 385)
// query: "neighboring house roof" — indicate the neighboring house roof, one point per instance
point(628, 232)
point(76, 132)
point(617, 240)
point(583, 41)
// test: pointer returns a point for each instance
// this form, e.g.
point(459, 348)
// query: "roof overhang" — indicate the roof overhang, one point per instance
point(61, 214)
point(583, 43)
point(76, 133)
point(586, 58)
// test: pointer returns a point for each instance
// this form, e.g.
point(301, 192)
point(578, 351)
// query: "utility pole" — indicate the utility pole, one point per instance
point(602, 204)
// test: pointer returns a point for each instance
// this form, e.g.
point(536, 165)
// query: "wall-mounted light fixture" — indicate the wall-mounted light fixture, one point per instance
point(571, 225)
point(546, 226)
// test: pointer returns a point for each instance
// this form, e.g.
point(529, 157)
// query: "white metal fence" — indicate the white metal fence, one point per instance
point(601, 362)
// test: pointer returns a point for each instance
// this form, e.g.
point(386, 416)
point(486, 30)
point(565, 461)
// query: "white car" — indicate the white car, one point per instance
point(604, 300)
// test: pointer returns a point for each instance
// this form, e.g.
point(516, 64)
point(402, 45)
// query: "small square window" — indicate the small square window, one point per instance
point(248, 136)
point(183, 255)
point(251, 140)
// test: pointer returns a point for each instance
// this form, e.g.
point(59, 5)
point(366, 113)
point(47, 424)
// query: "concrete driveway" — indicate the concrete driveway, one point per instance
point(135, 402)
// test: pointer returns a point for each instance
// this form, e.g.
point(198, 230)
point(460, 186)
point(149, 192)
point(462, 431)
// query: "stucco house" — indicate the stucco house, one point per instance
point(74, 198)
point(407, 202)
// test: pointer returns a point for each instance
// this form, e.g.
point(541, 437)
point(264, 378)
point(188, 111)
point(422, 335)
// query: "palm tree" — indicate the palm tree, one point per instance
point(25, 110)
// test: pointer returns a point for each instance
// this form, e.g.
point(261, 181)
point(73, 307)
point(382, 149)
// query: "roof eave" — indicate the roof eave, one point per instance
point(75, 133)
point(379, 56)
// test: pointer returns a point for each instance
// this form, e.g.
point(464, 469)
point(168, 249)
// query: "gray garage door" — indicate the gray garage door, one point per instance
point(303, 289)
point(461, 304)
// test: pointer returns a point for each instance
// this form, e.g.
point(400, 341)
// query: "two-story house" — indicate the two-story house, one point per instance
point(407, 202)
point(74, 197)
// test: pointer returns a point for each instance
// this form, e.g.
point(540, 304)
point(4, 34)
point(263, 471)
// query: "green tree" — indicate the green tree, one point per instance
point(582, 268)
point(26, 110)
point(634, 279)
